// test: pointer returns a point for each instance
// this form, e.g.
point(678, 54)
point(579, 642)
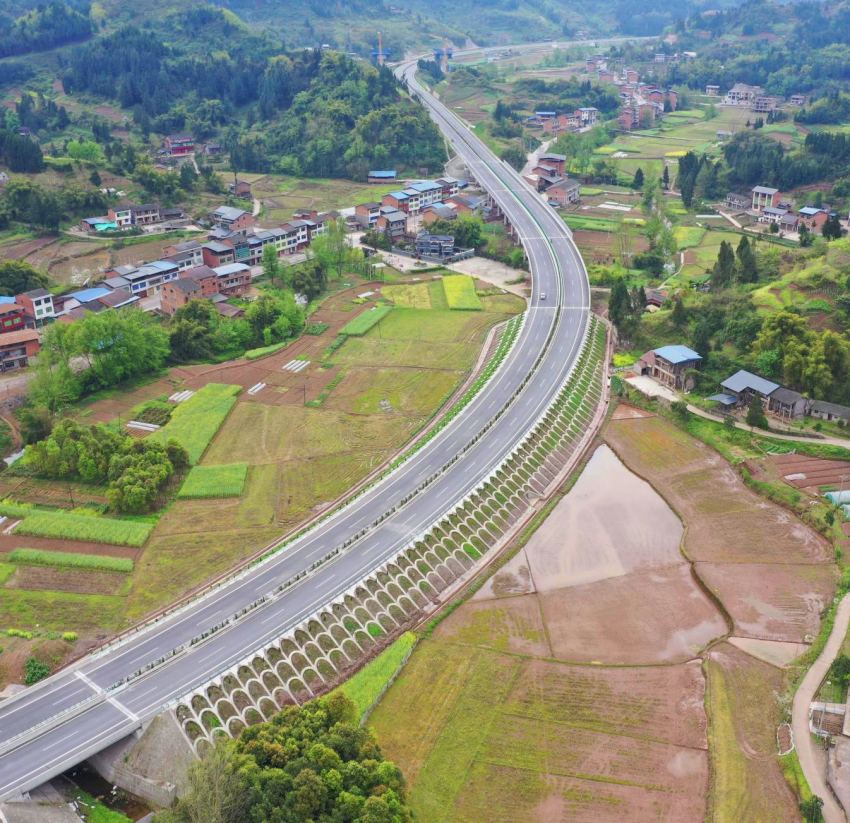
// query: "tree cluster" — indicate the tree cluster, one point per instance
point(699, 179)
point(135, 470)
point(309, 763)
point(52, 24)
point(734, 266)
point(625, 308)
point(32, 203)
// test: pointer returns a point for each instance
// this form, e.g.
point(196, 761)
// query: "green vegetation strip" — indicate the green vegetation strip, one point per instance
point(460, 293)
point(366, 687)
point(88, 528)
point(253, 354)
point(363, 322)
point(215, 481)
point(196, 421)
point(71, 560)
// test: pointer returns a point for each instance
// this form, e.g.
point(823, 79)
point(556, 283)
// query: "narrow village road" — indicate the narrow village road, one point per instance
point(811, 761)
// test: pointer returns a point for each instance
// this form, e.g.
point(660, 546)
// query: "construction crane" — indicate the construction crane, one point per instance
point(379, 55)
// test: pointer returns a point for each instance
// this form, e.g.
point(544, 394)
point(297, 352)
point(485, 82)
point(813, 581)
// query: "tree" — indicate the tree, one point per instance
point(312, 762)
point(806, 238)
point(724, 268)
point(333, 250)
point(514, 156)
point(467, 230)
point(624, 309)
point(665, 178)
point(832, 229)
point(637, 180)
point(272, 267)
point(746, 268)
point(755, 413)
point(17, 276)
point(812, 809)
point(701, 338)
point(679, 315)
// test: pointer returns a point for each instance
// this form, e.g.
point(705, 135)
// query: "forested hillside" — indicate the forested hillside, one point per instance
point(331, 115)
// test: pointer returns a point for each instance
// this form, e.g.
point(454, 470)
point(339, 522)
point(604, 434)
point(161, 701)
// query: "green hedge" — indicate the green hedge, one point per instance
point(71, 560)
point(363, 322)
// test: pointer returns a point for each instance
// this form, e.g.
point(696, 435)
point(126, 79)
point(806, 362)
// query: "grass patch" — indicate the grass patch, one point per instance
point(365, 687)
point(93, 811)
point(71, 560)
point(62, 525)
point(262, 351)
point(363, 322)
point(460, 293)
point(688, 236)
point(6, 571)
point(195, 421)
point(227, 480)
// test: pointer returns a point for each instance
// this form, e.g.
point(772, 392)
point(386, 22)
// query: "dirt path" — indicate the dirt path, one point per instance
point(810, 762)
point(796, 438)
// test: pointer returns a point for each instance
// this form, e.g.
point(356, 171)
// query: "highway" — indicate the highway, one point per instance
point(79, 711)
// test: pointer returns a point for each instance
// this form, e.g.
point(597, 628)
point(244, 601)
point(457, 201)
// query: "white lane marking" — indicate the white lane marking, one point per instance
point(123, 709)
point(88, 682)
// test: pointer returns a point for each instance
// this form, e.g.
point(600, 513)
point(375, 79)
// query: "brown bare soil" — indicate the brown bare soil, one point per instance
point(601, 247)
point(14, 541)
point(78, 581)
point(810, 473)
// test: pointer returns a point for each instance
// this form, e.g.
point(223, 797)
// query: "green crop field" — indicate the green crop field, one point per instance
point(195, 421)
point(227, 480)
point(88, 528)
point(71, 560)
point(688, 236)
point(363, 322)
point(460, 293)
point(365, 687)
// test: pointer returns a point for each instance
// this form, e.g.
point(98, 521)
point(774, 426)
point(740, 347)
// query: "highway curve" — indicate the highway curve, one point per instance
point(80, 710)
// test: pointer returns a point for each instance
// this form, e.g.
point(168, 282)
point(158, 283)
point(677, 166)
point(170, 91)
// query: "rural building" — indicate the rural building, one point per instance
point(742, 95)
point(121, 214)
point(17, 347)
point(831, 412)
point(764, 104)
point(786, 403)
point(789, 222)
point(229, 218)
point(12, 317)
point(149, 278)
point(764, 197)
point(738, 202)
point(435, 245)
point(393, 223)
point(744, 385)
point(813, 218)
point(670, 365)
point(437, 211)
point(381, 176)
point(178, 293)
point(215, 253)
point(712, 90)
point(367, 214)
point(186, 255)
point(37, 306)
point(178, 145)
point(466, 204)
point(799, 99)
point(564, 192)
point(97, 224)
point(557, 162)
point(204, 282)
point(770, 214)
point(145, 215)
point(241, 188)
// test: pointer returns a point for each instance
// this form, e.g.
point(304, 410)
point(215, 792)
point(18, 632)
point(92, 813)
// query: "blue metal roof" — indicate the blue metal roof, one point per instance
point(743, 380)
point(399, 195)
point(87, 295)
point(5, 300)
point(389, 174)
point(677, 354)
point(724, 399)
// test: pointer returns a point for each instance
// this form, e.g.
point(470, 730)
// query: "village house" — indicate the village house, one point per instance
point(553, 162)
point(121, 214)
point(564, 192)
point(743, 386)
point(216, 253)
point(439, 246)
point(813, 218)
point(381, 176)
point(772, 214)
point(37, 305)
point(466, 204)
point(17, 347)
point(742, 95)
point(12, 317)
point(831, 412)
point(670, 365)
point(204, 282)
point(799, 100)
point(178, 145)
point(787, 404)
point(789, 222)
point(186, 255)
point(367, 214)
point(393, 224)
point(229, 218)
point(764, 197)
point(764, 104)
point(712, 90)
point(738, 202)
point(438, 211)
point(241, 189)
